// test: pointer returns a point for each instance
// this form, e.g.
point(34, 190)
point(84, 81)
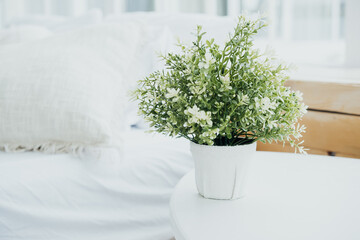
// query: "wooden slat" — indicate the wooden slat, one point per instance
point(279, 147)
point(327, 132)
point(333, 132)
point(329, 96)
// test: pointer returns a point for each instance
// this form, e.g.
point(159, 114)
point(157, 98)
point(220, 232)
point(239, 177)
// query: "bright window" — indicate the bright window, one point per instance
point(308, 32)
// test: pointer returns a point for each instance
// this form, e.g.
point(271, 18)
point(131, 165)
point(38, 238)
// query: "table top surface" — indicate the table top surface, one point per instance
point(289, 196)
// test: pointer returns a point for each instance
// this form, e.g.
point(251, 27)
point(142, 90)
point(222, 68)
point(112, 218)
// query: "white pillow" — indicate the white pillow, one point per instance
point(155, 41)
point(64, 93)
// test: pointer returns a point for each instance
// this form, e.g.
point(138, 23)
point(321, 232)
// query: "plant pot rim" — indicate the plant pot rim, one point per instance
point(223, 147)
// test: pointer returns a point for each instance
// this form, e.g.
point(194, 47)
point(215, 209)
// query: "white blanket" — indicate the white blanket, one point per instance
point(62, 197)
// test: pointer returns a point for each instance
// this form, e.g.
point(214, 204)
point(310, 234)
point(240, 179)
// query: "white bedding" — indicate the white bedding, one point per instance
point(62, 197)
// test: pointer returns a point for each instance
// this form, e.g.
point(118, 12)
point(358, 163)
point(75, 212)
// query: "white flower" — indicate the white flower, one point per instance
point(272, 124)
point(303, 108)
point(286, 93)
point(244, 99)
point(212, 134)
point(187, 71)
point(172, 93)
point(198, 116)
point(197, 90)
point(188, 56)
point(298, 95)
point(225, 79)
point(192, 111)
point(208, 61)
point(264, 104)
point(149, 97)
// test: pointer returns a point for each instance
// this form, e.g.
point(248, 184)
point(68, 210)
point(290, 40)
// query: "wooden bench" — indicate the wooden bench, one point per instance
point(333, 118)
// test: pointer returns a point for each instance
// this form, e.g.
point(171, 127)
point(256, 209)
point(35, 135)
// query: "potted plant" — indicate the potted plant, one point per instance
point(222, 99)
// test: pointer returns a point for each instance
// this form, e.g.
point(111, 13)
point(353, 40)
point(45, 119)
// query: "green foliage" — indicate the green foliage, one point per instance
point(223, 96)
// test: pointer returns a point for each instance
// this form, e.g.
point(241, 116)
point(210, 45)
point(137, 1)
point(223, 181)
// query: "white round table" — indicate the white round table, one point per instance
point(289, 197)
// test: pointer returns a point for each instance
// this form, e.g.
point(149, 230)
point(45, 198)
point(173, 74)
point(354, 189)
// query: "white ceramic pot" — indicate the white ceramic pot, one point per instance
point(220, 171)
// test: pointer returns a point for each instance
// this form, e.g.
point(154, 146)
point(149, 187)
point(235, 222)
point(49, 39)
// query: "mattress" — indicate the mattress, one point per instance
point(61, 196)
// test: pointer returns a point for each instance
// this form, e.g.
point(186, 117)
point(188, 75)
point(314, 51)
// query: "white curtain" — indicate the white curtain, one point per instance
point(292, 20)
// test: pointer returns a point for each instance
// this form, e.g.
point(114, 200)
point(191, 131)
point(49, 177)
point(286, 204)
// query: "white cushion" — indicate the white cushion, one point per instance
point(155, 41)
point(64, 93)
